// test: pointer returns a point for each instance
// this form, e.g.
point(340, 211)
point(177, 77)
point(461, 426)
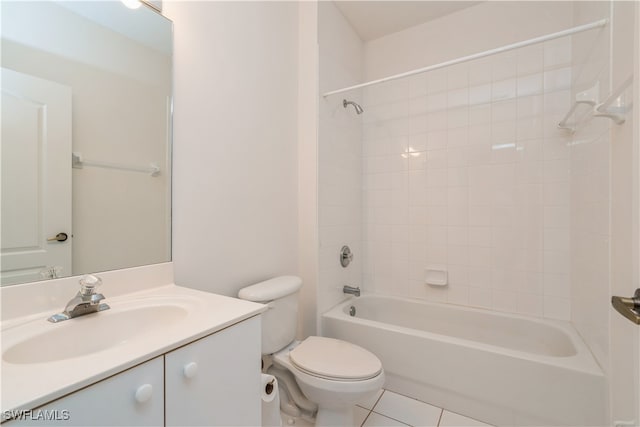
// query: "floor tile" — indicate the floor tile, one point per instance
point(359, 415)
point(377, 420)
point(407, 410)
point(450, 419)
point(370, 402)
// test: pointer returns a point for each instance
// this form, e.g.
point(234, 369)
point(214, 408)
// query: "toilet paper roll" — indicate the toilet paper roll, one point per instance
point(270, 402)
point(269, 388)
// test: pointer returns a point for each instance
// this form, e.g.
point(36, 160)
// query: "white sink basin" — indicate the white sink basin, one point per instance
point(43, 361)
point(91, 333)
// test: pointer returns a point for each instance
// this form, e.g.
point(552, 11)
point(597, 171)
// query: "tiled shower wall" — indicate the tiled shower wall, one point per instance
point(590, 182)
point(465, 170)
point(339, 157)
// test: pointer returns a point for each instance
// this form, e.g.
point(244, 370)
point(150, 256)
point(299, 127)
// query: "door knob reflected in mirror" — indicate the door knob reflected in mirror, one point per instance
point(60, 237)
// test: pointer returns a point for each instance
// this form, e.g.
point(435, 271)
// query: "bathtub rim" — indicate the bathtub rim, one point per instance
point(583, 361)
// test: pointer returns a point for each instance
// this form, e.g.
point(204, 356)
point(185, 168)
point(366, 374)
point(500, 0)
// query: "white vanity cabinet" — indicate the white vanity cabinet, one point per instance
point(134, 397)
point(215, 381)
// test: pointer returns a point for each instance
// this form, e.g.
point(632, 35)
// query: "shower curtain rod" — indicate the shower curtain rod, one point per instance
point(552, 36)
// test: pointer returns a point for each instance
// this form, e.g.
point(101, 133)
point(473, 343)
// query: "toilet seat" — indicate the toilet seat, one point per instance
point(335, 360)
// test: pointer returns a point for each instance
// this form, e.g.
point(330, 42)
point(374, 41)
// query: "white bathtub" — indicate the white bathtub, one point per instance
point(505, 369)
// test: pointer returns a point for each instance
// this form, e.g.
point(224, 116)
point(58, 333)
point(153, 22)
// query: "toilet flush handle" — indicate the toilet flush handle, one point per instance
point(190, 370)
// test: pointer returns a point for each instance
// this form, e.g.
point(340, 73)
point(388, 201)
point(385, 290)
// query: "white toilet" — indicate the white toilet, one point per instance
point(332, 373)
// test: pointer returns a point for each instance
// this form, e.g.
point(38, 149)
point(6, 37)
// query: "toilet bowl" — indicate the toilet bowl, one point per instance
point(332, 373)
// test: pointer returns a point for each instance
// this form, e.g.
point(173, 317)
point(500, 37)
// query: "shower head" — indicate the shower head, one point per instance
point(358, 108)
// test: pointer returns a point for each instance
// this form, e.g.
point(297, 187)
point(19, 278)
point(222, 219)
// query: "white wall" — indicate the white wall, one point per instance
point(308, 164)
point(484, 26)
point(235, 143)
point(464, 168)
point(339, 157)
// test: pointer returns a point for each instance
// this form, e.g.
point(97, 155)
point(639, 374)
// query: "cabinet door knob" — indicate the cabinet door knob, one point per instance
point(144, 392)
point(190, 370)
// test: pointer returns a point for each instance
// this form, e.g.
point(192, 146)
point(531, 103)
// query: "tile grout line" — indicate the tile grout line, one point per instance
point(442, 410)
point(441, 415)
point(410, 397)
point(365, 418)
point(407, 397)
point(384, 390)
point(372, 406)
point(391, 418)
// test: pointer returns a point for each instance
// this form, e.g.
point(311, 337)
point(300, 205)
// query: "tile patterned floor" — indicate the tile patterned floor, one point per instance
point(389, 409)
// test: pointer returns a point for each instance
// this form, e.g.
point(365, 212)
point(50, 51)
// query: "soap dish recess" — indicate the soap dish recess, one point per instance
point(435, 277)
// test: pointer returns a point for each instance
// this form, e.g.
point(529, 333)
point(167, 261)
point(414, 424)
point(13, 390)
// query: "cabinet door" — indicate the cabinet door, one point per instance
point(215, 381)
point(132, 398)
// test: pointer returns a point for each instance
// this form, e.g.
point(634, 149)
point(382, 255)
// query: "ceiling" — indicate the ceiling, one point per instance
point(374, 19)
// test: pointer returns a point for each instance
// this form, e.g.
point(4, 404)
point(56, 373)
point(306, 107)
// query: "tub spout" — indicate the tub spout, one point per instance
point(353, 290)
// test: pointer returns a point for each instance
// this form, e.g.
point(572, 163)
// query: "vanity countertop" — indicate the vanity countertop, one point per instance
point(31, 379)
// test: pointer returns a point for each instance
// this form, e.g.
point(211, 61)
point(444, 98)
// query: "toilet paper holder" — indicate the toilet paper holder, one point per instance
point(270, 402)
point(268, 388)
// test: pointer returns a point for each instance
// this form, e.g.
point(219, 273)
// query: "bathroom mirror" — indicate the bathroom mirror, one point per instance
point(86, 129)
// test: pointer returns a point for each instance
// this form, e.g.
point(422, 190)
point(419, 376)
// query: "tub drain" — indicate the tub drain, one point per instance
point(352, 311)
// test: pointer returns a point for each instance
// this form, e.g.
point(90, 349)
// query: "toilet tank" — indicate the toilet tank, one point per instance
point(280, 321)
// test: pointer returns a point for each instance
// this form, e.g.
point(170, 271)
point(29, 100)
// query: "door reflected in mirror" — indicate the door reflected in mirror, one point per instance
point(86, 126)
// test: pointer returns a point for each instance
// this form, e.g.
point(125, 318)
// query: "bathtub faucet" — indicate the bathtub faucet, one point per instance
point(353, 290)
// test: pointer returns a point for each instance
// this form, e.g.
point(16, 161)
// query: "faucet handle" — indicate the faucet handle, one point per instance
point(89, 283)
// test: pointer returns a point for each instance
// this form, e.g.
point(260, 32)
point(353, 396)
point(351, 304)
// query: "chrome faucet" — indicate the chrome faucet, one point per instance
point(86, 300)
point(353, 290)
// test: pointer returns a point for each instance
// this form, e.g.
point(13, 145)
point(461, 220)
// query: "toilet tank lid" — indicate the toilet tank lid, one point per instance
point(271, 289)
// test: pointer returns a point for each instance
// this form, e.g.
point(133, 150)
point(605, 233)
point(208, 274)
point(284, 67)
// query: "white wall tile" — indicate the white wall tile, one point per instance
point(437, 81)
point(457, 97)
point(457, 177)
point(483, 183)
point(479, 71)
point(418, 85)
point(457, 137)
point(504, 301)
point(531, 84)
point(480, 94)
point(437, 196)
point(436, 139)
point(458, 116)
point(504, 65)
point(557, 52)
point(480, 297)
point(458, 294)
point(557, 80)
point(530, 304)
point(531, 59)
point(529, 106)
point(457, 76)
point(557, 308)
point(503, 89)
point(557, 284)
